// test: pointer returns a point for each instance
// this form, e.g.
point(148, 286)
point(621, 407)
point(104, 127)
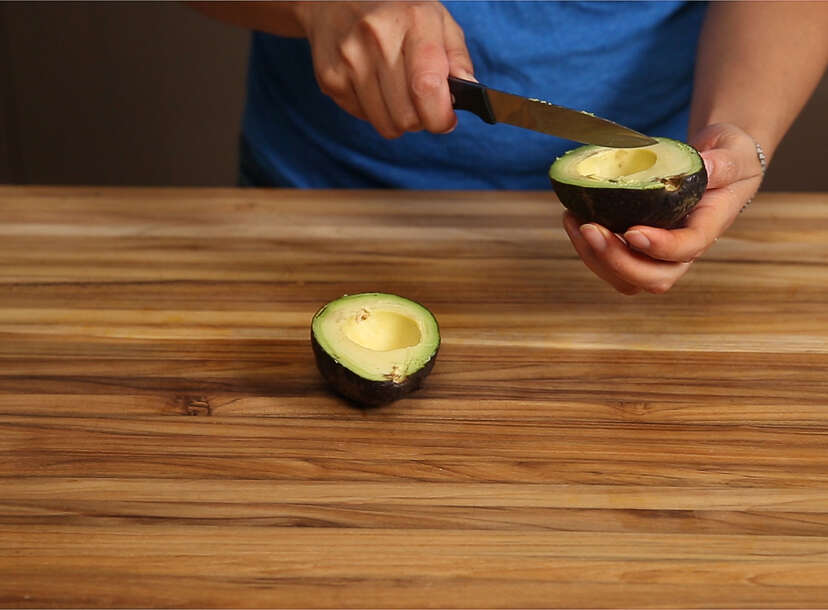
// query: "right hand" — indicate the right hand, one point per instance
point(388, 62)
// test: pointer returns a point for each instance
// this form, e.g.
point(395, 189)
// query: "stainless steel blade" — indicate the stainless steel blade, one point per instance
point(538, 115)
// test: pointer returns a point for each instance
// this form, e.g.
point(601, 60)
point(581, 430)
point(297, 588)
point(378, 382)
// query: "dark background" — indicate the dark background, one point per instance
point(152, 94)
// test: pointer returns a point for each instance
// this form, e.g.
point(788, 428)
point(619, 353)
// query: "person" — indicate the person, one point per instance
point(355, 95)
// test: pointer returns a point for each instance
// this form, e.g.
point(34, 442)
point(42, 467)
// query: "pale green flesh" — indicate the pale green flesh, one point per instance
point(645, 167)
point(378, 336)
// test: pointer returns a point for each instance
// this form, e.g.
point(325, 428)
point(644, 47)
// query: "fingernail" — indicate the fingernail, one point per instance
point(466, 75)
point(594, 237)
point(637, 239)
point(708, 166)
point(426, 84)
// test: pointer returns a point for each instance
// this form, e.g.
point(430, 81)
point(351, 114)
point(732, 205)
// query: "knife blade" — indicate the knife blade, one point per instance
point(495, 106)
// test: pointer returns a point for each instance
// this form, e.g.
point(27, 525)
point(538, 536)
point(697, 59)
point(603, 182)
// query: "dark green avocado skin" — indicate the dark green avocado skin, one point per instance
point(363, 391)
point(618, 209)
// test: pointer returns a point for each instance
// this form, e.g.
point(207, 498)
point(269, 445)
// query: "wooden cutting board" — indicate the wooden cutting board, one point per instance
point(165, 439)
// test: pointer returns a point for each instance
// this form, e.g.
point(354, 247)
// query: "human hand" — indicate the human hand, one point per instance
point(653, 259)
point(388, 62)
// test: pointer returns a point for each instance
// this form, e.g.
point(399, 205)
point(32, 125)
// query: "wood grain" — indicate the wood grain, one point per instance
point(165, 440)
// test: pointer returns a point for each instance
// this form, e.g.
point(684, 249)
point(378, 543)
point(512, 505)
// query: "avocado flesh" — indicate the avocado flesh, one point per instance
point(654, 185)
point(374, 347)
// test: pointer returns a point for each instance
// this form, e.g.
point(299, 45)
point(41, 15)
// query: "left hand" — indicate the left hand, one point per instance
point(651, 259)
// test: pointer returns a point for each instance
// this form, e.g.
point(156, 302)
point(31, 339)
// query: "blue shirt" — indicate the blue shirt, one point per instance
point(629, 62)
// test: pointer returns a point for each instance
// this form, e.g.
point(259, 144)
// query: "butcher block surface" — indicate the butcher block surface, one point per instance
point(166, 439)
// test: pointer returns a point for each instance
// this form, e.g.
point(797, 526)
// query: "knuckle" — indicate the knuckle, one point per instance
point(440, 127)
point(408, 121)
point(425, 84)
point(331, 82)
point(349, 54)
point(384, 126)
point(390, 133)
point(371, 30)
point(430, 48)
point(368, 25)
point(730, 134)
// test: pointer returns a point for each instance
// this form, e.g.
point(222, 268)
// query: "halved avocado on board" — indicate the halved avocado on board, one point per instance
point(373, 347)
point(654, 185)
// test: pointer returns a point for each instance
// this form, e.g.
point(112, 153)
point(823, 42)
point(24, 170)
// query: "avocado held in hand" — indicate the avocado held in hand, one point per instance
point(654, 185)
point(374, 348)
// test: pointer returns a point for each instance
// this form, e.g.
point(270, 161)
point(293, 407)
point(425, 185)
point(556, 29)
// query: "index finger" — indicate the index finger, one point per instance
point(427, 69)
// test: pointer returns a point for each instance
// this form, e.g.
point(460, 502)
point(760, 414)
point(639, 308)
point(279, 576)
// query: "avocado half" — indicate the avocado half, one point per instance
point(654, 185)
point(374, 348)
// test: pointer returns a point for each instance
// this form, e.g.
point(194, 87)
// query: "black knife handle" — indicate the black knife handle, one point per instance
point(471, 96)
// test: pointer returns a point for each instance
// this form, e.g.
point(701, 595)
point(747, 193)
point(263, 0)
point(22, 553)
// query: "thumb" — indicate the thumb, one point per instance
point(460, 63)
point(722, 168)
point(729, 154)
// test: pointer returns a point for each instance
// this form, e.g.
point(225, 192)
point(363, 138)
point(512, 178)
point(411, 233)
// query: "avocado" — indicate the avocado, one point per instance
point(654, 185)
point(374, 348)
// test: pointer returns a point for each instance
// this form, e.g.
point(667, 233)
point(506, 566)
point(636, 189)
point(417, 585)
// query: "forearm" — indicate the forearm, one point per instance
point(757, 65)
point(278, 18)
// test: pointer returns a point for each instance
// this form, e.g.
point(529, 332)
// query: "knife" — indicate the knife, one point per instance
point(495, 106)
